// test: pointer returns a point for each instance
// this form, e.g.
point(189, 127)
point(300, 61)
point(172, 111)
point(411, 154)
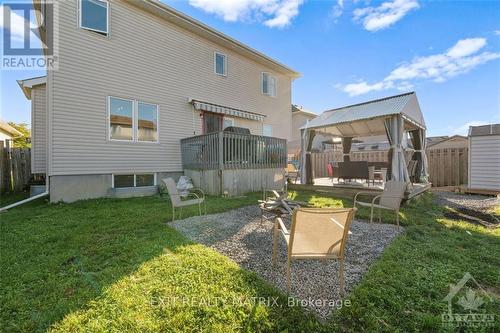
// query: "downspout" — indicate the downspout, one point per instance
point(41, 195)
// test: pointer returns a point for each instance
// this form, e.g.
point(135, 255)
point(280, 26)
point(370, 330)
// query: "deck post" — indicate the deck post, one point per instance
point(221, 161)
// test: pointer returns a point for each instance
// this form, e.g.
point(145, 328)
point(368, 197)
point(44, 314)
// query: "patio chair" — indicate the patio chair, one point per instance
point(315, 234)
point(197, 195)
point(292, 173)
point(390, 199)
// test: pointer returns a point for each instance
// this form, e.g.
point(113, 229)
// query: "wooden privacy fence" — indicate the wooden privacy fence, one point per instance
point(319, 161)
point(448, 166)
point(15, 168)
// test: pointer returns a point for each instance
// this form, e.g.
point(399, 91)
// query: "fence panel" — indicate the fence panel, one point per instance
point(448, 166)
point(15, 168)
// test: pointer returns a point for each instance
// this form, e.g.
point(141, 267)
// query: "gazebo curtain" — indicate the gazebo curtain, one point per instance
point(306, 141)
point(394, 127)
point(346, 148)
point(419, 144)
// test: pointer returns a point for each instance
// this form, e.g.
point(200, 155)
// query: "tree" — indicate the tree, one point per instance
point(25, 140)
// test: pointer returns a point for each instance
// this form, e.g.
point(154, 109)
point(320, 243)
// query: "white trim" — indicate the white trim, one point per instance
point(109, 119)
point(225, 63)
point(92, 29)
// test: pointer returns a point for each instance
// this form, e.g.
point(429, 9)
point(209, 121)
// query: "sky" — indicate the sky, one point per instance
point(347, 52)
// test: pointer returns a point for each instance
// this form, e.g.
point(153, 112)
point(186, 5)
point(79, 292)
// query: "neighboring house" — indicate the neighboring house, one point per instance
point(8, 132)
point(455, 141)
point(484, 157)
point(300, 116)
point(135, 77)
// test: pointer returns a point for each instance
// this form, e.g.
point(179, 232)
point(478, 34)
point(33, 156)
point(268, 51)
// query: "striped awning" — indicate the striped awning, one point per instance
point(210, 107)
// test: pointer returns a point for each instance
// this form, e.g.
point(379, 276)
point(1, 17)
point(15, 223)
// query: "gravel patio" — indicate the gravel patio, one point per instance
point(239, 235)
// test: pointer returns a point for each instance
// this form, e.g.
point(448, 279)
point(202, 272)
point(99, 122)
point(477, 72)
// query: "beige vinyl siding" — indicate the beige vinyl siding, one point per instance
point(151, 60)
point(38, 130)
point(299, 119)
point(485, 162)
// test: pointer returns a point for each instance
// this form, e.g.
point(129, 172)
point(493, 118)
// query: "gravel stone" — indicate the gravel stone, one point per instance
point(239, 235)
point(480, 203)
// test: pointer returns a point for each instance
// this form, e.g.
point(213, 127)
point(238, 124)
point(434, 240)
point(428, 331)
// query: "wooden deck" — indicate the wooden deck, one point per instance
point(348, 190)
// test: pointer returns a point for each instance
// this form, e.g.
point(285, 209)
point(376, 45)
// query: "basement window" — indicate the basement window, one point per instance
point(134, 180)
point(94, 16)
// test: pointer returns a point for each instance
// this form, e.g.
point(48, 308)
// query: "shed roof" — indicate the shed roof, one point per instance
point(492, 129)
point(367, 118)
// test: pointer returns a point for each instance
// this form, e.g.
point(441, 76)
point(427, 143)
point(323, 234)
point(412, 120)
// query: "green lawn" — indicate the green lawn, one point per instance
point(113, 265)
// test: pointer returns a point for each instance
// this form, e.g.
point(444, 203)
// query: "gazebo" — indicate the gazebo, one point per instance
point(393, 116)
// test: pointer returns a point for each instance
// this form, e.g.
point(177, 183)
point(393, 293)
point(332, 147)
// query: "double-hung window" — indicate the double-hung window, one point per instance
point(131, 120)
point(94, 15)
point(268, 84)
point(220, 64)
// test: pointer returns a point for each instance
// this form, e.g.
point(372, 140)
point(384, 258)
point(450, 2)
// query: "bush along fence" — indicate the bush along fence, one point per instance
point(15, 167)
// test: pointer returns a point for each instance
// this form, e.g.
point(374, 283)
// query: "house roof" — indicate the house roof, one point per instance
point(300, 109)
point(201, 29)
point(9, 129)
point(492, 129)
point(27, 84)
point(367, 118)
point(434, 140)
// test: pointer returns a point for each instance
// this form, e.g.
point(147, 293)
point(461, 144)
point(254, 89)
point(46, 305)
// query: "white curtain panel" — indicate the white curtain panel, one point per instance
point(304, 143)
point(394, 127)
point(423, 143)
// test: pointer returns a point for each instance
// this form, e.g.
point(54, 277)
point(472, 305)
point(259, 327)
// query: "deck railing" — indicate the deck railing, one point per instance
point(227, 150)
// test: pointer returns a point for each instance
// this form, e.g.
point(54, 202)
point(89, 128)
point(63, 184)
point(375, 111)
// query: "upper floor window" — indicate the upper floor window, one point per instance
point(220, 63)
point(131, 120)
point(94, 15)
point(268, 84)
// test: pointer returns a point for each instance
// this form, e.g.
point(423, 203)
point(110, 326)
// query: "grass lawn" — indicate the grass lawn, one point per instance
point(113, 265)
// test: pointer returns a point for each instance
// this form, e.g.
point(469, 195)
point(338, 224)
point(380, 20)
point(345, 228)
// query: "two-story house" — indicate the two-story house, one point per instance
point(133, 78)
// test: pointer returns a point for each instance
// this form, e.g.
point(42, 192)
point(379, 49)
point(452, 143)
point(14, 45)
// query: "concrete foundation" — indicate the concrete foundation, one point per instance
point(80, 187)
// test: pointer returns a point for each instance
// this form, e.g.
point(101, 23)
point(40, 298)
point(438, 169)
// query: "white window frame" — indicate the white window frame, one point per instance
point(80, 12)
point(269, 93)
point(136, 130)
point(135, 121)
point(155, 183)
point(215, 63)
point(109, 119)
point(264, 126)
point(231, 119)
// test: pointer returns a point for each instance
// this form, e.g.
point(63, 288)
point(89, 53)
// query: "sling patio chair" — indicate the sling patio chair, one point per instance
point(390, 199)
point(197, 197)
point(292, 174)
point(316, 233)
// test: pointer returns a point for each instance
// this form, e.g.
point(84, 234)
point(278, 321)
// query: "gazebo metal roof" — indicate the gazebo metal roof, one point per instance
point(366, 119)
